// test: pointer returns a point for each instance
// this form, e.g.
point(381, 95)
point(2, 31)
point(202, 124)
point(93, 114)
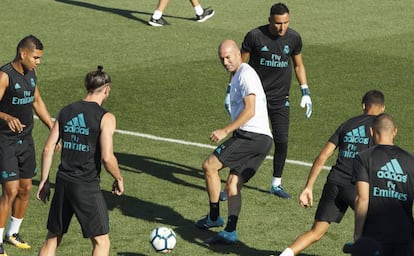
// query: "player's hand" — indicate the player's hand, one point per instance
point(306, 100)
point(43, 192)
point(58, 147)
point(118, 187)
point(14, 124)
point(306, 198)
point(227, 104)
point(217, 135)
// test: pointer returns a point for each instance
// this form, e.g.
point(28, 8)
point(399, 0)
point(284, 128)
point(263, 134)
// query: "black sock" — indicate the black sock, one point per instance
point(231, 223)
point(214, 211)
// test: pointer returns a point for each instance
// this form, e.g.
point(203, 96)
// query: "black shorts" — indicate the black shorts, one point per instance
point(17, 159)
point(84, 200)
point(279, 118)
point(244, 152)
point(398, 248)
point(334, 202)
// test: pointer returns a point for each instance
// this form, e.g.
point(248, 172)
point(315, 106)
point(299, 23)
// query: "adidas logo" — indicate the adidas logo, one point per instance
point(264, 49)
point(77, 125)
point(392, 171)
point(17, 86)
point(357, 135)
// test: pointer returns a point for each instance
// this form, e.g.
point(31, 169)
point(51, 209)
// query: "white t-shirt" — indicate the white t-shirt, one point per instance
point(244, 82)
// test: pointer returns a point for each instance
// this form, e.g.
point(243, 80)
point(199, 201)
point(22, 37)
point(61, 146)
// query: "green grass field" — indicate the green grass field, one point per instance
point(168, 82)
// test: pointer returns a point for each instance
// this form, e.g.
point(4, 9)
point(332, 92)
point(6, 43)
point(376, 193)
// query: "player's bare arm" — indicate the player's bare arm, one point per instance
point(306, 197)
point(108, 125)
point(47, 156)
point(361, 207)
point(13, 122)
point(40, 108)
point(300, 70)
point(247, 113)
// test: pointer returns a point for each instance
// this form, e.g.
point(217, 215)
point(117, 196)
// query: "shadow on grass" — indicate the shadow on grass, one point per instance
point(185, 228)
point(129, 14)
point(166, 170)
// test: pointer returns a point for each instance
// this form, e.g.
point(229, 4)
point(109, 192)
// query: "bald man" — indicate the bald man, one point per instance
point(384, 177)
point(244, 151)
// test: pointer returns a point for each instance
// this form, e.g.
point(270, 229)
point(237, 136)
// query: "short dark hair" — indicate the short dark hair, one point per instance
point(96, 79)
point(30, 42)
point(383, 122)
point(373, 97)
point(279, 9)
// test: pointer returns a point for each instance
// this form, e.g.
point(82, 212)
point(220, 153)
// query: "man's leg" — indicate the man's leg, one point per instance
point(49, 246)
point(101, 245)
point(9, 193)
point(19, 209)
point(305, 240)
point(156, 18)
point(211, 167)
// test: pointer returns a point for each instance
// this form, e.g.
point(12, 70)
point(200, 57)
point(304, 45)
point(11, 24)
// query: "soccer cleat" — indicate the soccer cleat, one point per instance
point(223, 196)
point(348, 247)
point(158, 23)
point(2, 252)
point(17, 241)
point(207, 14)
point(280, 192)
point(206, 222)
point(223, 237)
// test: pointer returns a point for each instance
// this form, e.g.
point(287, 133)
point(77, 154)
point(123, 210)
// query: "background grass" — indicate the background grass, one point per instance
point(168, 82)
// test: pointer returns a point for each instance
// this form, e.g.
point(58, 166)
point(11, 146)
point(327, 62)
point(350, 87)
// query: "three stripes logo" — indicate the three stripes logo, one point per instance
point(264, 49)
point(77, 125)
point(357, 135)
point(392, 171)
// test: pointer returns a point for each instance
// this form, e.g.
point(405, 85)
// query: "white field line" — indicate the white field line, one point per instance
point(189, 143)
point(195, 144)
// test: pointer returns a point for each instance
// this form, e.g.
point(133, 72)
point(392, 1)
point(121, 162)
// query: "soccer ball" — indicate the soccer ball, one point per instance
point(162, 239)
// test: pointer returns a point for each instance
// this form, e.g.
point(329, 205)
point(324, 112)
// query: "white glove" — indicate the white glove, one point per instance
point(306, 100)
point(227, 104)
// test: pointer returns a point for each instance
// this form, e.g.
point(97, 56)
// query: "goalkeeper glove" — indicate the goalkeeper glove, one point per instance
point(45, 192)
point(306, 100)
point(227, 104)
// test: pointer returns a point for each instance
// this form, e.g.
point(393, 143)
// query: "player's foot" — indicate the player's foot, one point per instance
point(223, 237)
point(207, 14)
point(206, 222)
point(158, 23)
point(2, 252)
point(280, 192)
point(348, 247)
point(223, 196)
point(17, 241)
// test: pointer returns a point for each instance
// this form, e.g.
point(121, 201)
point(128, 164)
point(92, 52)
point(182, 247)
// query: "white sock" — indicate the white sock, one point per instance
point(157, 15)
point(276, 181)
point(1, 235)
point(287, 252)
point(198, 10)
point(14, 226)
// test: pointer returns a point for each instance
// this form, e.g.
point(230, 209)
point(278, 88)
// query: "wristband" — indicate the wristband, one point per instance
point(304, 89)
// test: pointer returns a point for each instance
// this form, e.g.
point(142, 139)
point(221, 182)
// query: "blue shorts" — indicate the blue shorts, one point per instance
point(17, 159)
point(244, 152)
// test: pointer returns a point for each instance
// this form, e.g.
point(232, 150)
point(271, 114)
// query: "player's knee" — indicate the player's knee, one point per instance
point(9, 193)
point(24, 190)
point(317, 234)
point(101, 241)
point(209, 167)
